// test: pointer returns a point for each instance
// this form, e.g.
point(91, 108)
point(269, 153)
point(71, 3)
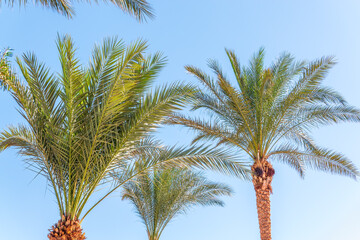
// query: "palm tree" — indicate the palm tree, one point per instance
point(163, 194)
point(140, 9)
point(269, 115)
point(84, 124)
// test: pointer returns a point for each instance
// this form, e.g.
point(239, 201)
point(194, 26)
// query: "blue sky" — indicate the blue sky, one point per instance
point(321, 206)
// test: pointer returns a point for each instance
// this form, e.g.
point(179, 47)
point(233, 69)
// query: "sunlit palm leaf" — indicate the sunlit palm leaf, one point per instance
point(140, 9)
point(5, 69)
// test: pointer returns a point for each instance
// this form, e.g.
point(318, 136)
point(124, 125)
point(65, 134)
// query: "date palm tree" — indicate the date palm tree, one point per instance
point(140, 9)
point(163, 194)
point(84, 124)
point(269, 115)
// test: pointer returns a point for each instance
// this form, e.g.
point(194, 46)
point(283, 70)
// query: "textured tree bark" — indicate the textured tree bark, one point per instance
point(66, 229)
point(263, 210)
point(263, 172)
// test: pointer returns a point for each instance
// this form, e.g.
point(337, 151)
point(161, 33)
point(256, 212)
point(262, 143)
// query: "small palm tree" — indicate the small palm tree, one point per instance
point(140, 9)
point(161, 195)
point(85, 124)
point(269, 115)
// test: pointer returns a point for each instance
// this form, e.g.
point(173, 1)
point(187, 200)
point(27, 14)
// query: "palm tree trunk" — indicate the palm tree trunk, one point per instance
point(263, 210)
point(66, 229)
point(263, 173)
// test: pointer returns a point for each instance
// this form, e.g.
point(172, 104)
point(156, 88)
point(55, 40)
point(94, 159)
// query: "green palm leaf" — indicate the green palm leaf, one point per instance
point(140, 9)
point(5, 69)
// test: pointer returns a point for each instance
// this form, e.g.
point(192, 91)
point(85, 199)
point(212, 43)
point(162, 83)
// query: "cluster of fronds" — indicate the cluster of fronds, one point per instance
point(86, 125)
point(271, 111)
point(161, 195)
point(140, 9)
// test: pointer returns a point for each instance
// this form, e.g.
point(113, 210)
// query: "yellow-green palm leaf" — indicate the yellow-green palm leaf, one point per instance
point(140, 9)
point(5, 68)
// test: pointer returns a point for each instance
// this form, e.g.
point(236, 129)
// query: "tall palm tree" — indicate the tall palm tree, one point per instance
point(140, 9)
point(269, 115)
point(84, 124)
point(163, 194)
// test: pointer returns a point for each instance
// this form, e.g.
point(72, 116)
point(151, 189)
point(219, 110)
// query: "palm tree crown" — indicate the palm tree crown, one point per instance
point(163, 194)
point(272, 110)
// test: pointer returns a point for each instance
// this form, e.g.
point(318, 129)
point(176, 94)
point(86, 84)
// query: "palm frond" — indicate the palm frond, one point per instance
point(140, 9)
point(5, 68)
point(316, 158)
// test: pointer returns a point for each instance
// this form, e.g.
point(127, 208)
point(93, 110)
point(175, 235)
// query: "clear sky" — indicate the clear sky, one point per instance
point(321, 206)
